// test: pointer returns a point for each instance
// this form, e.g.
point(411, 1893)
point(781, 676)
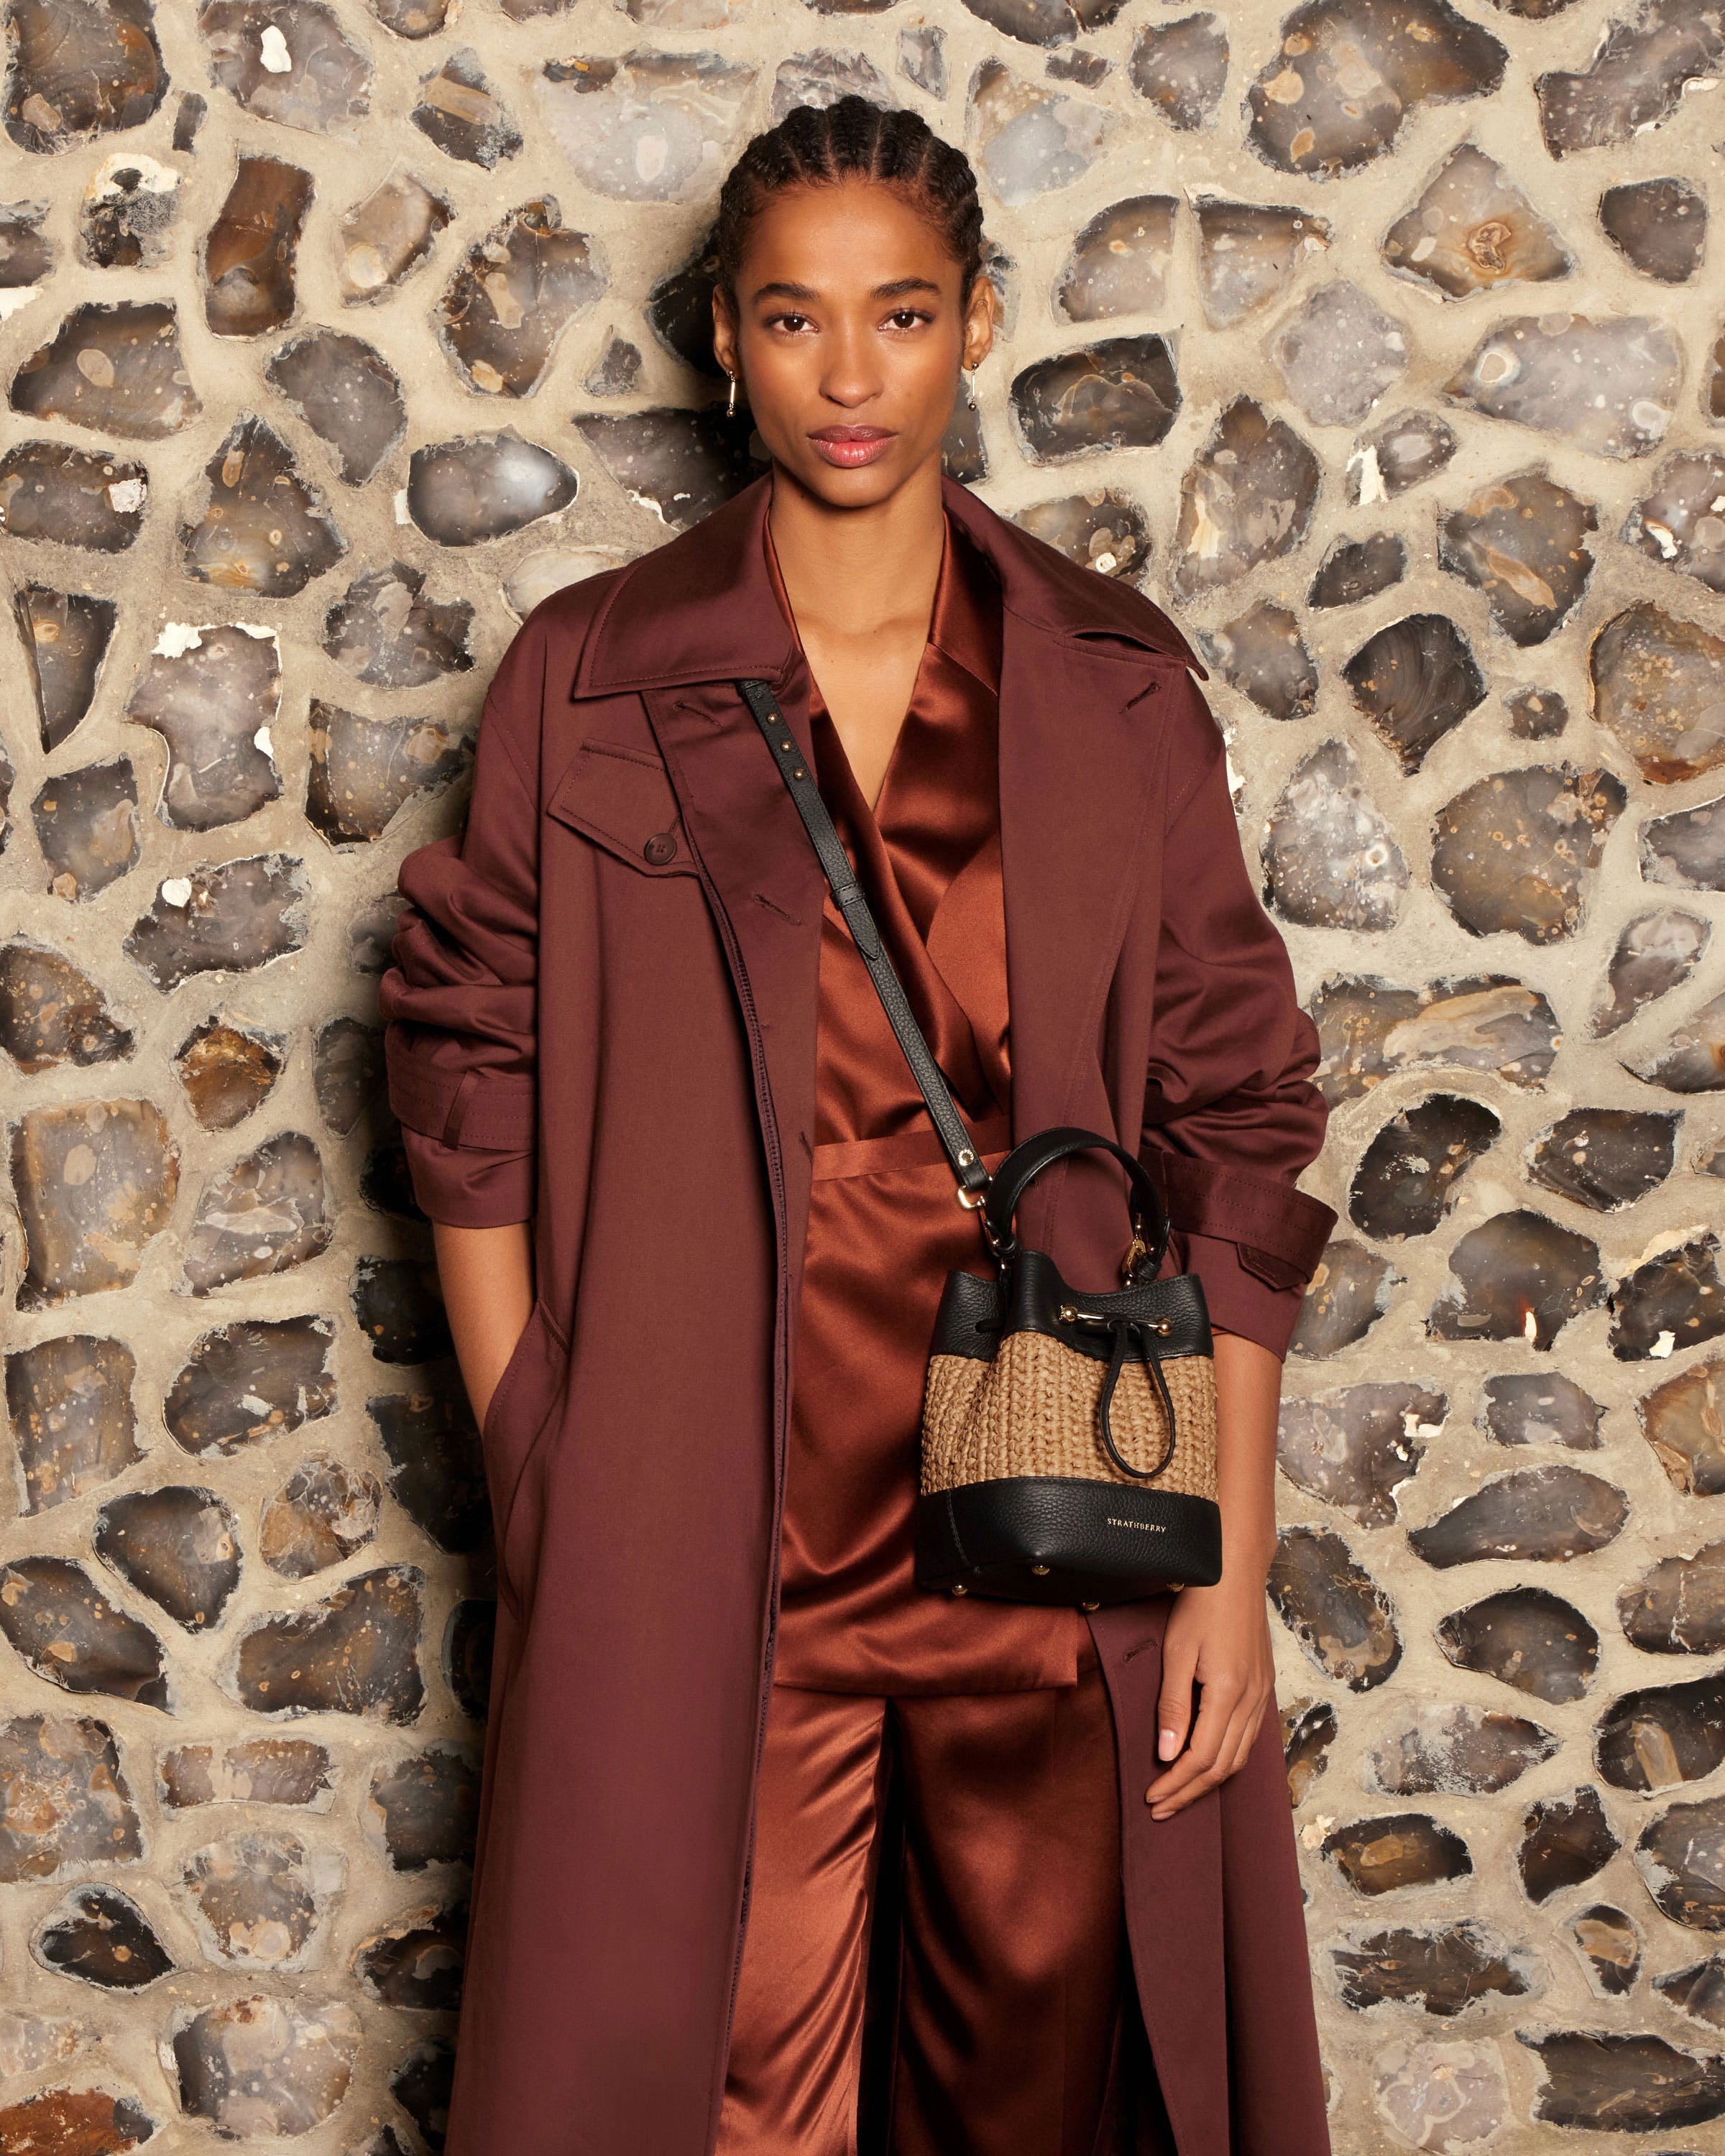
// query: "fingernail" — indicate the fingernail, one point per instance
point(1167, 1745)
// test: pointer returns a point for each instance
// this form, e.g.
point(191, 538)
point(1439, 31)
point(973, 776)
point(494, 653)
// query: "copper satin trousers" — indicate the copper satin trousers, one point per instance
point(937, 1968)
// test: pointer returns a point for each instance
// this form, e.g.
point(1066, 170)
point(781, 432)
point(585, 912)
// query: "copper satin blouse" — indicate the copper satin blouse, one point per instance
point(885, 1225)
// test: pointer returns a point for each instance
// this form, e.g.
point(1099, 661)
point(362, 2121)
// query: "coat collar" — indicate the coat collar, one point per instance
point(700, 607)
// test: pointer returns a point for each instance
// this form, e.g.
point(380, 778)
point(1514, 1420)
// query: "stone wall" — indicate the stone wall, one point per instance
point(1382, 341)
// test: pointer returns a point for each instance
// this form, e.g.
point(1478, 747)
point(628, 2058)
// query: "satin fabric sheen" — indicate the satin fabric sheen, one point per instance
point(999, 1971)
point(885, 1225)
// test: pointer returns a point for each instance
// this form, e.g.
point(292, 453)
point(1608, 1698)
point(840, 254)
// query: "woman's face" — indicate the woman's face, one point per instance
point(848, 320)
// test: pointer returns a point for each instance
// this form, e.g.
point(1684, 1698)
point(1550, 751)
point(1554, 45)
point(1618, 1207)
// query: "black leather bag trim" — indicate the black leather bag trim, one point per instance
point(970, 1320)
point(1101, 1541)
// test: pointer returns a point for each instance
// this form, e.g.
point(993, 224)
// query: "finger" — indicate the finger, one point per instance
point(1199, 1784)
point(1173, 1708)
point(1215, 1711)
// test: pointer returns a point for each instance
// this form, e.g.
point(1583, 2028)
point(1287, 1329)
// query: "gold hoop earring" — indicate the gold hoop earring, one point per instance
point(731, 406)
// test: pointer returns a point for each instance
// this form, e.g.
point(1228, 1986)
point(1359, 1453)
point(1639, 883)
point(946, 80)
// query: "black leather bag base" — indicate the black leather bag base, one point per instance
point(1097, 1539)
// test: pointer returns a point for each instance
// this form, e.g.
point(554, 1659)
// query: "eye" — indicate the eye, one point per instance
point(909, 315)
point(779, 321)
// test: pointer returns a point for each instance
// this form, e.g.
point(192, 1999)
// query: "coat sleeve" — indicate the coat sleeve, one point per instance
point(1231, 1114)
point(460, 1000)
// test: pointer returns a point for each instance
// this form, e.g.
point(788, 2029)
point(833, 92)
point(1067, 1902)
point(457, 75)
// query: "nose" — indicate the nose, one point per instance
point(850, 376)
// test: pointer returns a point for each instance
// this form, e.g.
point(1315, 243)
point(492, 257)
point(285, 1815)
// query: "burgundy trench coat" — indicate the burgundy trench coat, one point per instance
point(601, 1017)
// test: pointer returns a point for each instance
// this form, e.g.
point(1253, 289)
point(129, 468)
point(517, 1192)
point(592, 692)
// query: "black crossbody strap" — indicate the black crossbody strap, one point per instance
point(848, 893)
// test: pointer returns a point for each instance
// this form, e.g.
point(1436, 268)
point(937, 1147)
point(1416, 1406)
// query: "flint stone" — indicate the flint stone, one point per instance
point(1527, 1638)
point(1456, 1751)
point(1249, 252)
point(1663, 1735)
point(1657, 951)
point(1348, 1292)
point(1610, 1948)
point(1676, 1300)
point(95, 1182)
point(87, 826)
point(250, 1380)
point(257, 1897)
point(1400, 1850)
point(1444, 1968)
point(1533, 1514)
point(355, 1652)
point(1610, 2082)
point(424, 1809)
point(1349, 73)
point(1529, 1408)
point(226, 1073)
point(1263, 654)
point(1341, 1617)
point(1308, 1730)
point(1684, 1421)
point(256, 1770)
point(1407, 1175)
point(1356, 1446)
point(1329, 858)
point(1565, 1839)
point(65, 1628)
point(1606, 386)
point(99, 1936)
point(1415, 680)
point(180, 1547)
point(1247, 498)
point(325, 1511)
point(1678, 1607)
point(67, 1799)
point(69, 1403)
point(265, 2064)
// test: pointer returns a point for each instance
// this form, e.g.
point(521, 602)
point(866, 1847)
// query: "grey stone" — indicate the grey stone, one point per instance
point(1527, 1638)
point(1329, 858)
point(1339, 353)
point(1249, 252)
point(1606, 386)
point(1533, 1514)
point(1349, 71)
point(1474, 229)
point(1406, 1176)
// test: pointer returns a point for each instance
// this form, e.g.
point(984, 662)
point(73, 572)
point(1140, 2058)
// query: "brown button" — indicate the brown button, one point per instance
point(660, 848)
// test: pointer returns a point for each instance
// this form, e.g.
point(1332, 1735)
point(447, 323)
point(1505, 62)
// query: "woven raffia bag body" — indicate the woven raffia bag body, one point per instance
point(1069, 1437)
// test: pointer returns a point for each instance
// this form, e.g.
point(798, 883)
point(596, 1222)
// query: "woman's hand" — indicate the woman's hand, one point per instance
point(1217, 1638)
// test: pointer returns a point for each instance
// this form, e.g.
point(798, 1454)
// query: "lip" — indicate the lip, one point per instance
point(849, 447)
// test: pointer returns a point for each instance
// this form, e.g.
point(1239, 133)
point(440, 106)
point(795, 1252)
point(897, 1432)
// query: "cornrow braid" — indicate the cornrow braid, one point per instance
point(816, 144)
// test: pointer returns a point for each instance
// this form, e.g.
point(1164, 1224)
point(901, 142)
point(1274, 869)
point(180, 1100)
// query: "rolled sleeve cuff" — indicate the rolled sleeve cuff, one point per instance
point(1239, 1299)
point(470, 1138)
point(1253, 1239)
point(464, 1187)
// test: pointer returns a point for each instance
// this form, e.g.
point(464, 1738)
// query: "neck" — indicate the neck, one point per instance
point(858, 573)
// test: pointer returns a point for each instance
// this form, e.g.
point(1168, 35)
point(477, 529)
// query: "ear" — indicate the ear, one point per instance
point(723, 339)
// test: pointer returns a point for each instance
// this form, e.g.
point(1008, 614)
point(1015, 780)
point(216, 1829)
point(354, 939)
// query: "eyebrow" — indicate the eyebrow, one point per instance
point(782, 288)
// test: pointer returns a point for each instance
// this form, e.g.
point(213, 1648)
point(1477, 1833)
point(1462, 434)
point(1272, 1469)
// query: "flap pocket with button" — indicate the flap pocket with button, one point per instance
point(621, 797)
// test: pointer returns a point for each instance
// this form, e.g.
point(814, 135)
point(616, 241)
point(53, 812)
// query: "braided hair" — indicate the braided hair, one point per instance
point(815, 144)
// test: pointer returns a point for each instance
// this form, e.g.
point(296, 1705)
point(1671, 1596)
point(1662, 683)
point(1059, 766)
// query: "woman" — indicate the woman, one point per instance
point(776, 1852)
